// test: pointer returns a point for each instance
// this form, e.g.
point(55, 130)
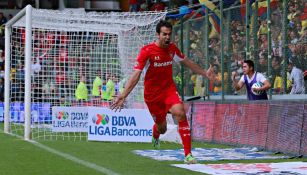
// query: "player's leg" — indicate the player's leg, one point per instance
point(157, 129)
point(176, 107)
point(158, 114)
point(178, 111)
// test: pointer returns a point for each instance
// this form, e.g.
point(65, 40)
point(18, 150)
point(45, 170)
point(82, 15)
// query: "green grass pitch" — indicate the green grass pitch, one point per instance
point(19, 157)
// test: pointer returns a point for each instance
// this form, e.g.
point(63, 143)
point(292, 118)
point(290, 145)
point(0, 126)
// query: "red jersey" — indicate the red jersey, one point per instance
point(133, 2)
point(63, 55)
point(158, 7)
point(157, 64)
point(64, 39)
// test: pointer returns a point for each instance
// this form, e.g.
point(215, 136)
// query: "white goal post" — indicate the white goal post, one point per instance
point(68, 58)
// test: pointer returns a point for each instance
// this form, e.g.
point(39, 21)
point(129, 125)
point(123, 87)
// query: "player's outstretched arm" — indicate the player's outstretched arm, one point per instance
point(237, 84)
point(118, 103)
point(196, 68)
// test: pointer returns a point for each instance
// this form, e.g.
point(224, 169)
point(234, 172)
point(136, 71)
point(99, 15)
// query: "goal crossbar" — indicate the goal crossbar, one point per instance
point(95, 40)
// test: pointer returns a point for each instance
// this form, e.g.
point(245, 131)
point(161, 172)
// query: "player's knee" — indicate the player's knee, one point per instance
point(162, 129)
point(181, 116)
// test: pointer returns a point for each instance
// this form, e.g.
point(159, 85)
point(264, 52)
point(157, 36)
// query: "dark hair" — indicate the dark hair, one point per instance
point(277, 59)
point(265, 55)
point(250, 63)
point(289, 61)
point(161, 24)
point(216, 65)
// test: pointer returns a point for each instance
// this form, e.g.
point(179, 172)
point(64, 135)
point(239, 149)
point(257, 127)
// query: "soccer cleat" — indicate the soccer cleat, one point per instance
point(155, 143)
point(189, 159)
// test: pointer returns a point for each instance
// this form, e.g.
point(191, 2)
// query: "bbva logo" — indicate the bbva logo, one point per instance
point(62, 115)
point(100, 119)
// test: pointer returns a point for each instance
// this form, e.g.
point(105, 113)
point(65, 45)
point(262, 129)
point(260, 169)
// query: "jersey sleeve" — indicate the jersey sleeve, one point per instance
point(260, 77)
point(242, 79)
point(178, 55)
point(141, 59)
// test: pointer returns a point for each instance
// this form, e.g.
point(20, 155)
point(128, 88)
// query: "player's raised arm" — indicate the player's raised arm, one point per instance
point(237, 84)
point(196, 68)
point(120, 99)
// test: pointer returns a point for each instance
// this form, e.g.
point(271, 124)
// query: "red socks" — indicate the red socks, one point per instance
point(155, 132)
point(184, 131)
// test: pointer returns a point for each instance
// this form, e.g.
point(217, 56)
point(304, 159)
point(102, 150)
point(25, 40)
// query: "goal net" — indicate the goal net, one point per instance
point(77, 59)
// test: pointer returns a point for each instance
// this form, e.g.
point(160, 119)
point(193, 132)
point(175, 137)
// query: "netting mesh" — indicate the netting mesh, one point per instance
point(278, 126)
point(285, 131)
point(78, 59)
point(303, 149)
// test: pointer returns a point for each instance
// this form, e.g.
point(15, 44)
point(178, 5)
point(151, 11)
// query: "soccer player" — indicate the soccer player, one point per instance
point(249, 78)
point(160, 92)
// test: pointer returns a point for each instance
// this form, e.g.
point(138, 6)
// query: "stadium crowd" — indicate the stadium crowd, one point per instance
point(3, 20)
point(156, 5)
point(296, 53)
point(62, 69)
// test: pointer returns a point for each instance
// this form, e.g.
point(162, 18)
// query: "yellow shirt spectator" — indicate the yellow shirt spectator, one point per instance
point(110, 90)
point(104, 92)
point(81, 91)
point(217, 83)
point(198, 85)
point(96, 87)
point(278, 84)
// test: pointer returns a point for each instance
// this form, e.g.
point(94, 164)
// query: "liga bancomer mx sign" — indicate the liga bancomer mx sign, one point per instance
point(128, 125)
point(103, 124)
point(69, 119)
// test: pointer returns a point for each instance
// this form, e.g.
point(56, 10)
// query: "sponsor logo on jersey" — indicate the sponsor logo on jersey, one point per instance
point(163, 64)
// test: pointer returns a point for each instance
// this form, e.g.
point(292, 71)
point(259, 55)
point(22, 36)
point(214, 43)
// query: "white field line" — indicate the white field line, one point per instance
point(70, 157)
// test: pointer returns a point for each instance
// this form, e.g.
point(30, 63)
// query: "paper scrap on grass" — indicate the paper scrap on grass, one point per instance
point(284, 168)
point(213, 154)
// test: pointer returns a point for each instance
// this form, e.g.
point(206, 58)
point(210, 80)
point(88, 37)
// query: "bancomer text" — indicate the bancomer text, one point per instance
point(117, 128)
point(114, 131)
